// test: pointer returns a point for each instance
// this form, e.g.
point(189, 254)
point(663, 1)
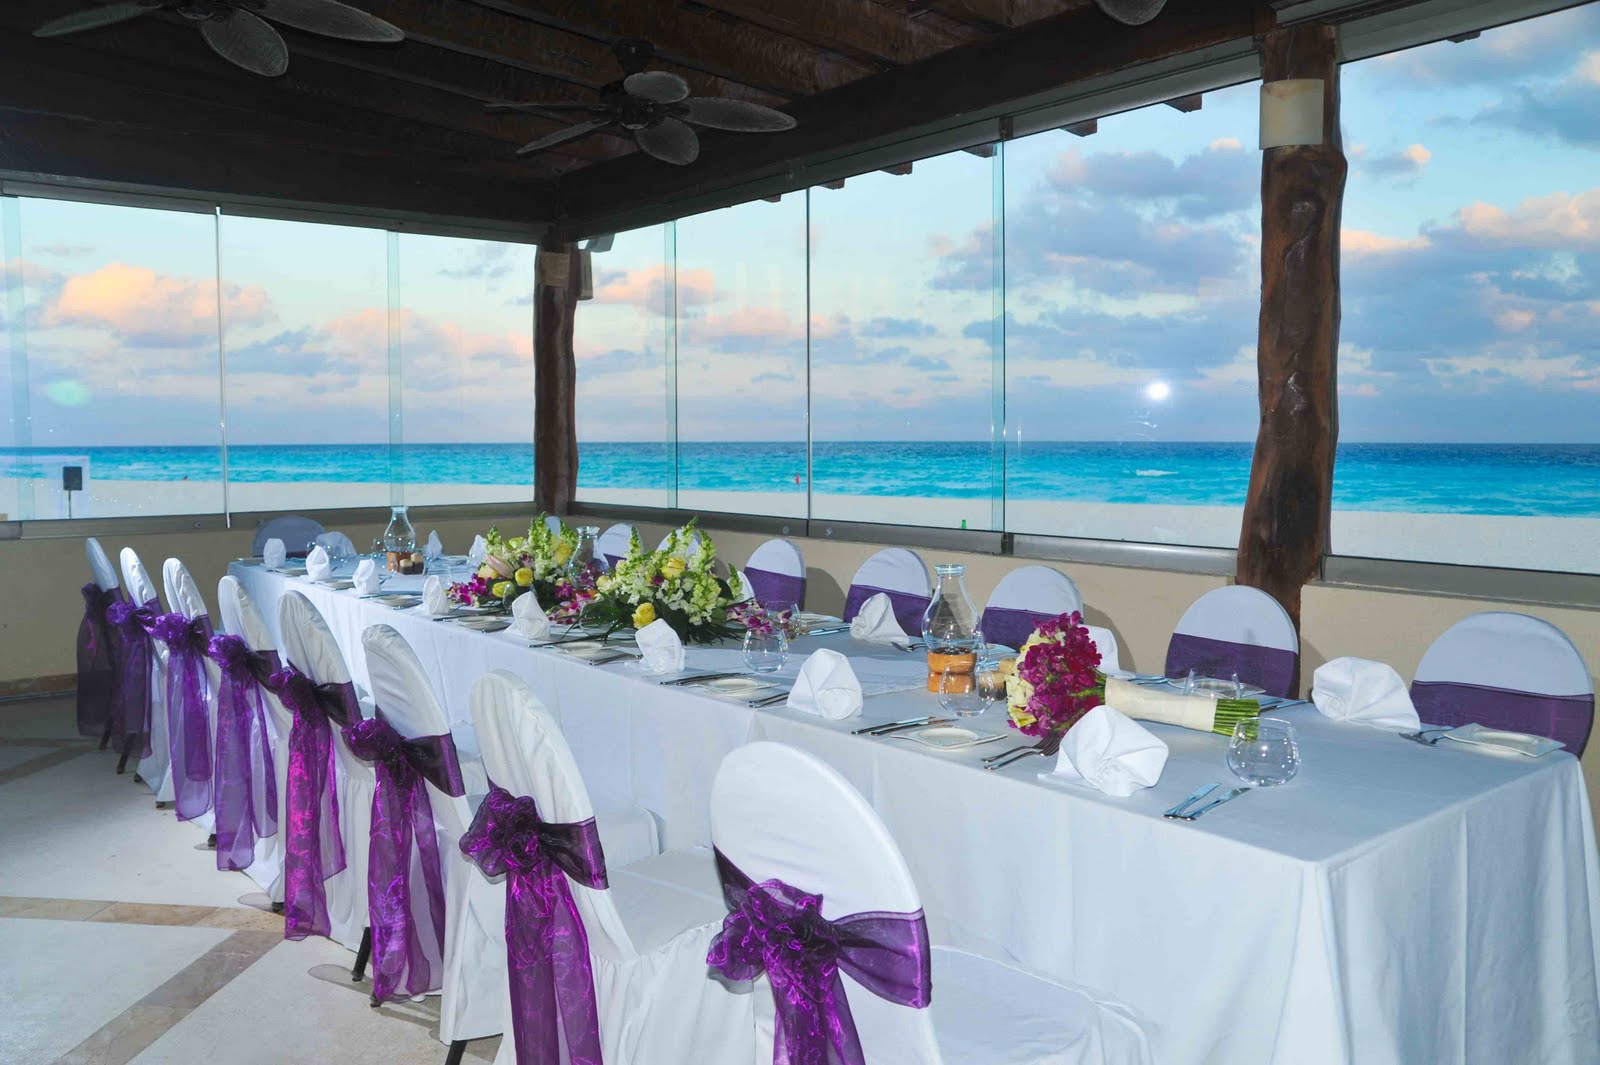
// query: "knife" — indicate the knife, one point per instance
point(1191, 800)
point(698, 677)
point(892, 729)
point(1212, 805)
point(868, 730)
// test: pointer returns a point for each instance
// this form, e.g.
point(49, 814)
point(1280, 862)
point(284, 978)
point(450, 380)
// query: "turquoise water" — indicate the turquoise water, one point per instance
point(1525, 479)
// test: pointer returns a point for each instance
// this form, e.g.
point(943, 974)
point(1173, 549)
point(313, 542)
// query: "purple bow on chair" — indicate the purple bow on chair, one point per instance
point(188, 710)
point(779, 929)
point(130, 648)
point(313, 850)
point(552, 983)
point(244, 789)
point(402, 817)
point(97, 671)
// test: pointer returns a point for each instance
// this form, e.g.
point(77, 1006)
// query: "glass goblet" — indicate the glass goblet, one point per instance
point(960, 694)
point(766, 649)
point(1264, 752)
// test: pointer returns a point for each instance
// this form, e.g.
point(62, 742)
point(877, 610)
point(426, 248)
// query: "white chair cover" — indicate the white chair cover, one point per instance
point(296, 532)
point(1023, 596)
point(781, 571)
point(693, 546)
point(154, 770)
point(552, 522)
point(337, 544)
point(309, 645)
point(648, 931)
point(473, 971)
point(780, 813)
point(1237, 629)
point(1106, 641)
point(184, 596)
point(240, 617)
point(105, 574)
point(903, 575)
point(613, 543)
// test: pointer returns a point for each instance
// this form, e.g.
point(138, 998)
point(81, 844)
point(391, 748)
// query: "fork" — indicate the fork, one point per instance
point(1417, 737)
point(1047, 746)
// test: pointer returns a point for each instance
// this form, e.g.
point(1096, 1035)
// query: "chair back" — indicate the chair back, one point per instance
point(184, 596)
point(1237, 629)
point(903, 576)
point(613, 543)
point(776, 574)
point(297, 533)
point(525, 753)
point(242, 618)
point(1106, 642)
point(1509, 671)
point(781, 813)
point(337, 544)
point(105, 574)
point(309, 645)
point(1025, 597)
point(401, 689)
point(141, 589)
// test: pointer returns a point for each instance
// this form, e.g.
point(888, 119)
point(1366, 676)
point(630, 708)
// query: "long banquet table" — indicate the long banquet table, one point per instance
point(1392, 904)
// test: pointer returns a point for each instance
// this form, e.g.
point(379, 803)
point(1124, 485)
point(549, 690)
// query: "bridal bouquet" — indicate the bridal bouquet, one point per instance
point(537, 562)
point(674, 584)
point(1055, 680)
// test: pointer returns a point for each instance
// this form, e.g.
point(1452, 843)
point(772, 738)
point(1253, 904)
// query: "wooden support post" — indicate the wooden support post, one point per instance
point(555, 303)
point(1285, 528)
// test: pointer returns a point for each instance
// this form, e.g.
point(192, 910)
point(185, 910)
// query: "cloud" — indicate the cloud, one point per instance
point(146, 309)
point(1563, 112)
point(1559, 220)
point(647, 288)
point(897, 327)
point(1407, 162)
point(482, 261)
point(1217, 180)
point(1530, 47)
point(61, 248)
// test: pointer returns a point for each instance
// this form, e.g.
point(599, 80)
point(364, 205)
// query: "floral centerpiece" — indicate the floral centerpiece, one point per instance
point(764, 621)
point(674, 584)
point(1056, 679)
point(537, 563)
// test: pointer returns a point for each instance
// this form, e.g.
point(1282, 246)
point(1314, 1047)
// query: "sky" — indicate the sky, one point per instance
point(1471, 298)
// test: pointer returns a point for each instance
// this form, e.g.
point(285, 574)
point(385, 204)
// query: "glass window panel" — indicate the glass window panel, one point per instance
point(1132, 293)
point(16, 466)
point(1469, 376)
point(902, 348)
point(466, 369)
point(307, 365)
point(622, 342)
point(121, 375)
point(741, 284)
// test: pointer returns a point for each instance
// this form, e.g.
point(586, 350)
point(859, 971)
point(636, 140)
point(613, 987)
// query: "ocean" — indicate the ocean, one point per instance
point(1561, 480)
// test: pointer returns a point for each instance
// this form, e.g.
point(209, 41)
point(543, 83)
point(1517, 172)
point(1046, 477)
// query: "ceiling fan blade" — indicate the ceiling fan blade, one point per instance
point(571, 133)
point(530, 106)
point(1132, 12)
point(246, 41)
point(718, 113)
point(331, 19)
point(671, 141)
point(93, 19)
point(656, 85)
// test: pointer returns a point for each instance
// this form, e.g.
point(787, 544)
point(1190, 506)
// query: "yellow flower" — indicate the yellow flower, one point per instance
point(605, 584)
point(525, 577)
point(673, 568)
point(500, 589)
point(486, 571)
point(562, 553)
point(644, 615)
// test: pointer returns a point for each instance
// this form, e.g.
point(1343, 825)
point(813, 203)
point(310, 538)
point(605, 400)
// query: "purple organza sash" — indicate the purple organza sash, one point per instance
point(244, 784)
point(188, 710)
point(777, 590)
point(1270, 668)
point(908, 608)
point(130, 648)
point(547, 950)
point(779, 929)
point(1566, 718)
point(313, 850)
point(97, 670)
point(1011, 625)
point(404, 954)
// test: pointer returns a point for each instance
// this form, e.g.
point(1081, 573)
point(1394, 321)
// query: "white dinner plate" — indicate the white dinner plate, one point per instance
point(947, 737)
point(741, 688)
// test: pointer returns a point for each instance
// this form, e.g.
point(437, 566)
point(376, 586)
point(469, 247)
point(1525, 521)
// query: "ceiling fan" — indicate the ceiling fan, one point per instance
point(234, 28)
point(1132, 12)
point(655, 108)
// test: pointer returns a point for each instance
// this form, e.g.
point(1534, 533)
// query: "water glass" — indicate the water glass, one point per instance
point(960, 694)
point(765, 652)
point(1264, 752)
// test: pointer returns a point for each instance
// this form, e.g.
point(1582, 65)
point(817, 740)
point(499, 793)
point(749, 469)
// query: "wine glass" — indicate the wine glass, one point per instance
point(1264, 752)
point(766, 648)
point(959, 693)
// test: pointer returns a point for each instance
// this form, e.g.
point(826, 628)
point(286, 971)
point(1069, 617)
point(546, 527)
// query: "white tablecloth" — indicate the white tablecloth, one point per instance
point(1393, 904)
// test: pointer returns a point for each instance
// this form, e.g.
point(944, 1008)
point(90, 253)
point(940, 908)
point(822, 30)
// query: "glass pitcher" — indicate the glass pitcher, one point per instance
point(950, 630)
point(584, 556)
point(399, 541)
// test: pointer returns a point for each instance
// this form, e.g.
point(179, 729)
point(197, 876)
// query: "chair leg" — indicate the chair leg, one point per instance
point(211, 841)
point(453, 1055)
point(127, 749)
point(277, 907)
point(363, 952)
point(105, 737)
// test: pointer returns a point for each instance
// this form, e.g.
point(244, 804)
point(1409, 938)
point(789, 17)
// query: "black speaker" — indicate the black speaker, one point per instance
point(72, 478)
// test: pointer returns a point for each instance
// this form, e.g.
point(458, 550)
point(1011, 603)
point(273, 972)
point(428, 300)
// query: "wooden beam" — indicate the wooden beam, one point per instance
point(960, 85)
point(1286, 513)
point(836, 183)
point(1187, 104)
point(861, 28)
point(1004, 14)
point(1087, 128)
point(982, 151)
point(899, 169)
point(555, 370)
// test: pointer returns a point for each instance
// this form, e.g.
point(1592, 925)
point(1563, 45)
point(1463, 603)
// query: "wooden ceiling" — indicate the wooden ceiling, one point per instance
point(403, 128)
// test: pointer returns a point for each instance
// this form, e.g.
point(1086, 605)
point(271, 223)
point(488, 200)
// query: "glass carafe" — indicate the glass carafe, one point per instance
point(399, 541)
point(950, 629)
point(584, 556)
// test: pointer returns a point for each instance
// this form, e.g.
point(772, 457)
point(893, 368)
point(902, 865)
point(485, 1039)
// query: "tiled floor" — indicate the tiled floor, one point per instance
point(121, 942)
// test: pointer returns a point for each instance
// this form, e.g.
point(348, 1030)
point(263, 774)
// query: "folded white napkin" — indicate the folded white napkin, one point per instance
point(876, 622)
point(366, 577)
point(274, 553)
point(480, 548)
point(529, 618)
point(1198, 712)
point(1365, 692)
point(435, 599)
point(826, 686)
point(318, 566)
point(434, 548)
point(660, 649)
point(1108, 750)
